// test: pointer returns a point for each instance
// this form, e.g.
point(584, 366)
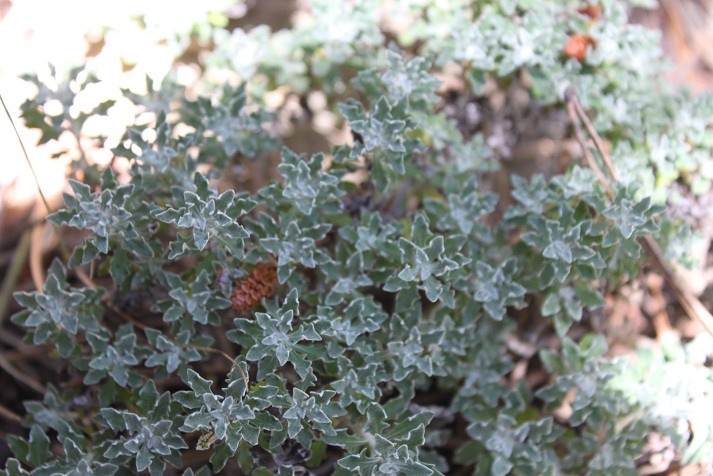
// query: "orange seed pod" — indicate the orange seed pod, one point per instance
point(250, 290)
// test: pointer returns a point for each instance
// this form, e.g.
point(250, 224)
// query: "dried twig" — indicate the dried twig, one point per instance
point(588, 157)
point(141, 326)
point(574, 100)
point(235, 363)
point(690, 303)
point(20, 376)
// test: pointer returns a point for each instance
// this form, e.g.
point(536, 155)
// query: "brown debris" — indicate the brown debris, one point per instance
point(249, 291)
point(576, 46)
point(592, 11)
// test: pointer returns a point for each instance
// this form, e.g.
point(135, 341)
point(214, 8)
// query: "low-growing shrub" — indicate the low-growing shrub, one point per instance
point(367, 312)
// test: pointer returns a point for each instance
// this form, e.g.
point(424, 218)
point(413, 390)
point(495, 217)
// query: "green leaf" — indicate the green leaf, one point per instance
point(199, 385)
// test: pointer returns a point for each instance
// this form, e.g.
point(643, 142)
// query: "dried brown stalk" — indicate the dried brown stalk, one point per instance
point(690, 303)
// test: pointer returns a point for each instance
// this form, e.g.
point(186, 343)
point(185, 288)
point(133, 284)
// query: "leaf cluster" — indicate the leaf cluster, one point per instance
point(411, 293)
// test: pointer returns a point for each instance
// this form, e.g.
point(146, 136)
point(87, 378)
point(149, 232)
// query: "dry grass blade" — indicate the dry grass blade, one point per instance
point(138, 324)
point(27, 157)
point(690, 303)
point(35, 251)
point(36, 268)
point(16, 265)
